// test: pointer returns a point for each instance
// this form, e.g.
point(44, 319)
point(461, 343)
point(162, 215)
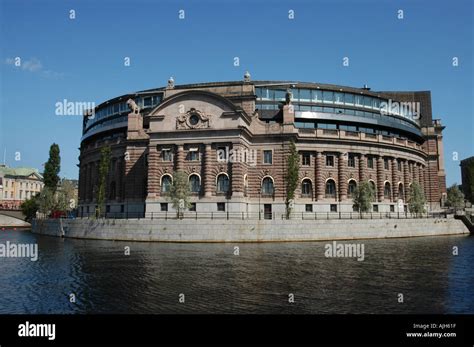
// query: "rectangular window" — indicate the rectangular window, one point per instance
point(192, 207)
point(375, 208)
point(368, 101)
point(193, 154)
point(164, 207)
point(329, 160)
point(305, 108)
point(309, 208)
point(328, 97)
point(267, 157)
point(306, 160)
point(399, 165)
point(339, 98)
point(280, 95)
point(317, 96)
point(147, 101)
point(370, 162)
point(392, 208)
point(328, 109)
point(333, 208)
point(221, 206)
point(385, 164)
point(166, 154)
point(316, 109)
point(349, 99)
point(305, 95)
point(351, 161)
point(358, 100)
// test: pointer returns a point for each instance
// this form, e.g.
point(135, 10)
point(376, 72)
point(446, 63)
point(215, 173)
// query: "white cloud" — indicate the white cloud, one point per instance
point(33, 65)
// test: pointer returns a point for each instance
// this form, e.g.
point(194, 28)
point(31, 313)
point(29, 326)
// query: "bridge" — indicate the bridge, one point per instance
point(12, 219)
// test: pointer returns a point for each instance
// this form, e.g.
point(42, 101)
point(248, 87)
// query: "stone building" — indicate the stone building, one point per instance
point(17, 185)
point(232, 140)
point(467, 177)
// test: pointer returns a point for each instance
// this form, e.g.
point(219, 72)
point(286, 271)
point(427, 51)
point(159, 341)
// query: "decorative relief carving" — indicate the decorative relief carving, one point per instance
point(193, 119)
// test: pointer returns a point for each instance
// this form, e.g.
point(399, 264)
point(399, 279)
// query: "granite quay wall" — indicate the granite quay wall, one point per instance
point(245, 230)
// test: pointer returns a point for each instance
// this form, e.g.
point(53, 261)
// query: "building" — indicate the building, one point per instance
point(17, 185)
point(232, 139)
point(467, 178)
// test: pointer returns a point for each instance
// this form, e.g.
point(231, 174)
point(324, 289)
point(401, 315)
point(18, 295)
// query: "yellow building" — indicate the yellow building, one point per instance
point(17, 185)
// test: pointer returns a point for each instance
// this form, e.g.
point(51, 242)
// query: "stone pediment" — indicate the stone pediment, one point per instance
point(193, 119)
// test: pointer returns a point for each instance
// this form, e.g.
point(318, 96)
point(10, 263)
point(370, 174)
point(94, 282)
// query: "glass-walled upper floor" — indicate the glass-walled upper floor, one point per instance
point(333, 101)
point(117, 112)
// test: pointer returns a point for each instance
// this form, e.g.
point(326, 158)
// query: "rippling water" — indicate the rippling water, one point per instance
point(214, 280)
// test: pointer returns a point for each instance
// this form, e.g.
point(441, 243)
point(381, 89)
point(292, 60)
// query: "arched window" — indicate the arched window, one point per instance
point(166, 181)
point(306, 188)
point(222, 183)
point(267, 186)
point(351, 187)
point(387, 192)
point(401, 194)
point(372, 185)
point(330, 189)
point(194, 183)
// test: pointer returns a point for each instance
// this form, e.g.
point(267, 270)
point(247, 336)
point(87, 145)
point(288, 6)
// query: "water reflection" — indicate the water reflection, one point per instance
point(258, 280)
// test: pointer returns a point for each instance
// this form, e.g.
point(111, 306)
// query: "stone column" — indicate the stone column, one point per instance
point(120, 174)
point(342, 171)
point(362, 168)
point(416, 173)
point(421, 178)
point(208, 179)
point(406, 180)
point(319, 176)
point(380, 178)
point(394, 180)
point(179, 157)
point(153, 187)
point(237, 170)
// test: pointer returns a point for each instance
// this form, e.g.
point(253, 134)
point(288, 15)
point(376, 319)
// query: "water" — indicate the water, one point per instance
point(214, 280)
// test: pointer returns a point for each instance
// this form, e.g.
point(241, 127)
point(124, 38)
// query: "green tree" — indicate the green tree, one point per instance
point(455, 198)
point(416, 200)
point(46, 201)
point(52, 168)
point(363, 197)
point(29, 207)
point(180, 192)
point(292, 176)
point(66, 200)
point(104, 168)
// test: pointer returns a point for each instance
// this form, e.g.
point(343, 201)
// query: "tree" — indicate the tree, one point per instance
point(29, 207)
point(363, 197)
point(46, 201)
point(66, 196)
point(52, 168)
point(455, 198)
point(180, 192)
point(292, 176)
point(104, 168)
point(417, 200)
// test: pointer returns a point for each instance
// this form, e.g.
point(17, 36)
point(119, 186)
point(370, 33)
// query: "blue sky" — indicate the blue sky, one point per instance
point(83, 59)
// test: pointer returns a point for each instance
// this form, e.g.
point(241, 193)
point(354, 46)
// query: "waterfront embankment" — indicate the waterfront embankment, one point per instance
point(189, 230)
